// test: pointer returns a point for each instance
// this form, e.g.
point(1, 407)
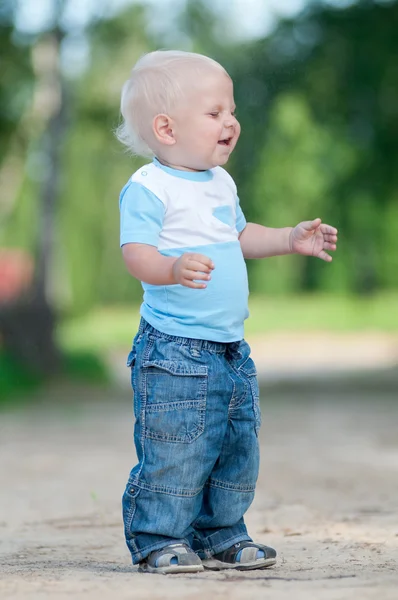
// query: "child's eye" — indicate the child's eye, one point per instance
point(214, 114)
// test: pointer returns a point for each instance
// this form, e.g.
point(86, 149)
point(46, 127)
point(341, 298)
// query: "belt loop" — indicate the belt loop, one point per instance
point(142, 325)
point(196, 347)
point(233, 350)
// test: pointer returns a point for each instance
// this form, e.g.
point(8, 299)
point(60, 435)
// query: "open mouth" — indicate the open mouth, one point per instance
point(225, 142)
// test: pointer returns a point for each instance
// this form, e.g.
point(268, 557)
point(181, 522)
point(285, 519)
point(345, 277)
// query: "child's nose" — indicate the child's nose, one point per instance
point(230, 121)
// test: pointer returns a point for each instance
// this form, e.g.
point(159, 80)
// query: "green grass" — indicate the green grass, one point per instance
point(18, 384)
point(15, 379)
point(83, 341)
point(84, 365)
point(111, 328)
point(324, 313)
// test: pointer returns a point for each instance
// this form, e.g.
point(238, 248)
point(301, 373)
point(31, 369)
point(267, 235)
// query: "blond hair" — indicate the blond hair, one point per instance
point(157, 82)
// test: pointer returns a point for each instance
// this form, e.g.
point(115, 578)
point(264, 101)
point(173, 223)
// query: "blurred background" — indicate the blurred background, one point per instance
point(316, 85)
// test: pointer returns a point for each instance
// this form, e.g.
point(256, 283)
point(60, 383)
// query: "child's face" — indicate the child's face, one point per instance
point(204, 126)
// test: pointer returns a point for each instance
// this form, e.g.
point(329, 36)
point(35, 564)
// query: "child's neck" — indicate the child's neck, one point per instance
point(177, 167)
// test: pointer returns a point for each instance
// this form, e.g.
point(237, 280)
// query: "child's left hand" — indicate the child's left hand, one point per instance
point(312, 238)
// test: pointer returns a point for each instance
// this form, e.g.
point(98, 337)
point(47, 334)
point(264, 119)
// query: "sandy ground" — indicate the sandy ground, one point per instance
point(283, 356)
point(327, 499)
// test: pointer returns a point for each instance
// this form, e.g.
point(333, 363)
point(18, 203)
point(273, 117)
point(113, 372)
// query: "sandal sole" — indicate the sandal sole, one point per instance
point(170, 570)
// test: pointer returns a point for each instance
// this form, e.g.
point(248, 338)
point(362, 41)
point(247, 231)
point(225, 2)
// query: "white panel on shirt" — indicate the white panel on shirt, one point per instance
point(189, 206)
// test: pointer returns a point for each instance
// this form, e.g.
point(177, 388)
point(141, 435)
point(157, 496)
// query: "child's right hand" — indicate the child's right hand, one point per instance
point(191, 267)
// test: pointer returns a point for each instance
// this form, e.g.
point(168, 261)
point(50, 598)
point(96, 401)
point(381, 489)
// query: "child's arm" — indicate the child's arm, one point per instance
point(145, 263)
point(310, 238)
point(141, 221)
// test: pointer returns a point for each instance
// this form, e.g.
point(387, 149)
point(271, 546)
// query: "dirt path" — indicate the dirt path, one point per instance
point(327, 500)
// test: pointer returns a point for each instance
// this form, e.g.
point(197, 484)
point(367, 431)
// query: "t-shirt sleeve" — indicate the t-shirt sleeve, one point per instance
point(141, 215)
point(240, 217)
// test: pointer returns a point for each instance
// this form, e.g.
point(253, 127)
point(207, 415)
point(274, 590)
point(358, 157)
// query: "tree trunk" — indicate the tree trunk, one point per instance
point(27, 324)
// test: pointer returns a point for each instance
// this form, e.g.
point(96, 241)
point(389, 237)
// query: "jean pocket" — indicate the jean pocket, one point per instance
point(249, 369)
point(175, 403)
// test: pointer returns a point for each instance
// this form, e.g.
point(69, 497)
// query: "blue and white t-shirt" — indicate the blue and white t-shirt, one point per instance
point(183, 211)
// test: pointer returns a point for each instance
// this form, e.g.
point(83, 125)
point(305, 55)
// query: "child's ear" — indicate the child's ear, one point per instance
point(163, 129)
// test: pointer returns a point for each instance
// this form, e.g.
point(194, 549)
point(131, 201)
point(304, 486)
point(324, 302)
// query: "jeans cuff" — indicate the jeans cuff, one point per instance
point(149, 543)
point(221, 539)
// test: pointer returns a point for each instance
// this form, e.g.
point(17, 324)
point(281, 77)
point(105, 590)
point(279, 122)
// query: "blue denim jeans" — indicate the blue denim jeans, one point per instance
point(197, 417)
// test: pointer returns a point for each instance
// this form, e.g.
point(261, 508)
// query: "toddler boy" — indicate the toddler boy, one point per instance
point(196, 396)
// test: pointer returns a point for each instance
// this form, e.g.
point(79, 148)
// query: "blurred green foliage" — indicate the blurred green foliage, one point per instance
point(108, 329)
point(15, 378)
point(318, 104)
point(19, 383)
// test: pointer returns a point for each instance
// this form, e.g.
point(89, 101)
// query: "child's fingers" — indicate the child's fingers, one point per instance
point(325, 256)
point(310, 225)
point(328, 229)
point(202, 260)
point(329, 246)
point(328, 237)
point(195, 265)
point(191, 275)
point(192, 284)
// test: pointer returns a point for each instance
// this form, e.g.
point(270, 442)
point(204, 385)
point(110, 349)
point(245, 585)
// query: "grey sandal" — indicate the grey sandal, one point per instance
point(174, 558)
point(243, 556)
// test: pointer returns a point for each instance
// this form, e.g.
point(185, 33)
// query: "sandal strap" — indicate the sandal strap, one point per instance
point(248, 553)
point(163, 557)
